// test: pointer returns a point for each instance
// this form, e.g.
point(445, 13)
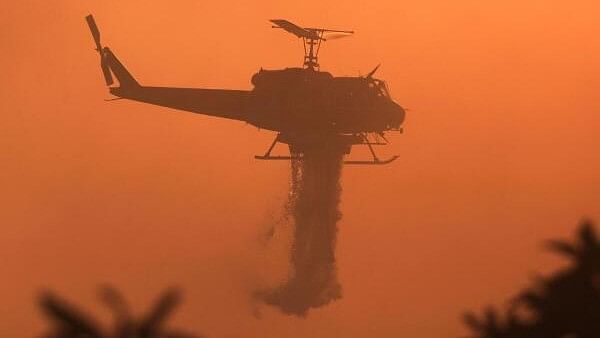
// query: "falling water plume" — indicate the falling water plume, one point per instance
point(313, 206)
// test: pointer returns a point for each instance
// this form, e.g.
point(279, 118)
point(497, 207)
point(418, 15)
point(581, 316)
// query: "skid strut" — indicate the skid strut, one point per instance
point(268, 156)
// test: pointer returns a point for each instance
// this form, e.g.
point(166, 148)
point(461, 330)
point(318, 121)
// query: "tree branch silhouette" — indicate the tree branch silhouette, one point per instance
point(565, 304)
point(71, 322)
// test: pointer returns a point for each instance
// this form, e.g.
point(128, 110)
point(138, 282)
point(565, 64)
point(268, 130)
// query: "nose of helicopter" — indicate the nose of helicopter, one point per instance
point(397, 114)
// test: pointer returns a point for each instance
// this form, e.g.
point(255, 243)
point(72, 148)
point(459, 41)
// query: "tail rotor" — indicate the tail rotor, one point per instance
point(103, 63)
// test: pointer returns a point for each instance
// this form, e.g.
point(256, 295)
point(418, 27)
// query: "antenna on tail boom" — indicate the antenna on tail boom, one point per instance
point(312, 39)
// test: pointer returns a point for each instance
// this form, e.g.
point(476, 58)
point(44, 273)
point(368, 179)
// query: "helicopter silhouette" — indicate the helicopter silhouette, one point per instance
point(308, 108)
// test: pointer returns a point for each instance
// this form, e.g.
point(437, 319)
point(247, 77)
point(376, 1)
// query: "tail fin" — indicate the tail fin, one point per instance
point(108, 61)
point(121, 73)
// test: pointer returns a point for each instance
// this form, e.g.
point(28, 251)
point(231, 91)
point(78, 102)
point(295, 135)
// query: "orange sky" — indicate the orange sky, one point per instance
point(500, 151)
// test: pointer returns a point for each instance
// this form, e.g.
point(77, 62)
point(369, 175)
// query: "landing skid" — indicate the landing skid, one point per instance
point(374, 161)
point(268, 157)
point(364, 141)
point(288, 158)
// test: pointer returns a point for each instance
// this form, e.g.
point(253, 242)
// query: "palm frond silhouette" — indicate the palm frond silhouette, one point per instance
point(71, 322)
point(566, 304)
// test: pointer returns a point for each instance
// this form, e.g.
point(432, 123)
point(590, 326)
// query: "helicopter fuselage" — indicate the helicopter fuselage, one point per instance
point(292, 100)
point(305, 100)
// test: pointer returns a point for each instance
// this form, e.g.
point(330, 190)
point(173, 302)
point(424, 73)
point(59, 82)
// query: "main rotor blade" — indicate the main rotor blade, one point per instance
point(295, 29)
point(329, 30)
point(95, 32)
point(336, 35)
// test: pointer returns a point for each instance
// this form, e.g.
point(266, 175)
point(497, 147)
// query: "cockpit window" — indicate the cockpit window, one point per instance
point(380, 88)
point(386, 89)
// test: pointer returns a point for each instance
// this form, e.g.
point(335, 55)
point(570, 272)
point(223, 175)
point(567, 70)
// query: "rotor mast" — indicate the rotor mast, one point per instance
point(311, 51)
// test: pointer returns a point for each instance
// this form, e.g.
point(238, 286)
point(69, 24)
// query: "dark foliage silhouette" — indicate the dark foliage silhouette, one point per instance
point(564, 305)
point(71, 322)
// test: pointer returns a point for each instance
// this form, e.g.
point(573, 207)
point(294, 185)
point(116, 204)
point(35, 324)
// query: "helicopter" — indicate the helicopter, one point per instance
point(307, 108)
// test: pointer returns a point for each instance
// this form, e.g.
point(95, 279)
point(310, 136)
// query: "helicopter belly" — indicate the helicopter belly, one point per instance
point(279, 114)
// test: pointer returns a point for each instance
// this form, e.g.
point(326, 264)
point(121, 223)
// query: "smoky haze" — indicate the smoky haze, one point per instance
point(500, 151)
